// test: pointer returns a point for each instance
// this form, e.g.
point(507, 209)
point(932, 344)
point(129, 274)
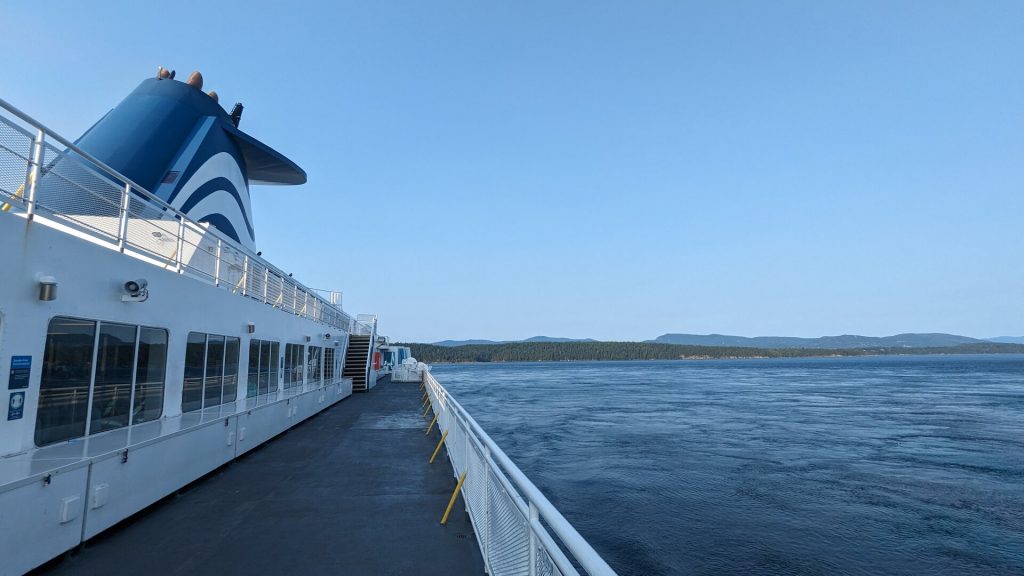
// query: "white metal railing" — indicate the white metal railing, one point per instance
point(365, 325)
point(84, 196)
point(510, 515)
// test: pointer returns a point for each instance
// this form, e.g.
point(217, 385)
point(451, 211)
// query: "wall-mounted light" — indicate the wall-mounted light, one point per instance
point(327, 336)
point(47, 288)
point(308, 338)
point(252, 327)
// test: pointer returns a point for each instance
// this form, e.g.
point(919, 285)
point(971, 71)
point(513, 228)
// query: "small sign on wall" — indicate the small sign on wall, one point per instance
point(16, 406)
point(21, 367)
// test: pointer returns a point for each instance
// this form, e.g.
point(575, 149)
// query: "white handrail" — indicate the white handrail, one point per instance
point(536, 506)
point(327, 312)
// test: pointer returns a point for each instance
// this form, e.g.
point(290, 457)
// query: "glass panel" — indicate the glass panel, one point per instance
point(275, 365)
point(64, 388)
point(111, 396)
point(214, 370)
point(195, 362)
point(232, 345)
point(265, 367)
point(252, 383)
point(329, 365)
point(288, 366)
point(149, 375)
point(293, 365)
point(313, 365)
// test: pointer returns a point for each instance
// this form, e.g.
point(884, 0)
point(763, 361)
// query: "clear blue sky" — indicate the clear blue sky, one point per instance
point(595, 169)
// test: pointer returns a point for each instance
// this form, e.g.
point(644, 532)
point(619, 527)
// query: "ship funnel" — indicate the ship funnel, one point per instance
point(177, 142)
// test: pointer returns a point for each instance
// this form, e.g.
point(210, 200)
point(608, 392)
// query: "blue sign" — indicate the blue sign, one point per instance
point(21, 367)
point(16, 406)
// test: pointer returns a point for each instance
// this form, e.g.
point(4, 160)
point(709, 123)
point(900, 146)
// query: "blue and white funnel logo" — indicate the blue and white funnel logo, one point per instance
point(177, 142)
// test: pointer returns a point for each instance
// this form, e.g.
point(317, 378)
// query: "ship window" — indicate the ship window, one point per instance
point(275, 365)
point(231, 347)
point(263, 367)
point(293, 365)
point(195, 363)
point(313, 364)
point(214, 370)
point(150, 369)
point(211, 371)
point(328, 365)
point(64, 387)
point(111, 358)
point(252, 383)
point(112, 390)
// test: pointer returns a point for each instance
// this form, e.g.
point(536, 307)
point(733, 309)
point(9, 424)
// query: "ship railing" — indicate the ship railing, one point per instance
point(85, 197)
point(365, 325)
point(516, 526)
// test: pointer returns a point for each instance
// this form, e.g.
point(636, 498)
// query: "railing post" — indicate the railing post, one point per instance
point(122, 223)
point(33, 174)
point(531, 522)
point(216, 265)
point(266, 280)
point(487, 506)
point(245, 275)
point(181, 244)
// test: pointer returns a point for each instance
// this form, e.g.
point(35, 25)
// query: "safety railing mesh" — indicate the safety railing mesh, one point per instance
point(59, 184)
point(511, 543)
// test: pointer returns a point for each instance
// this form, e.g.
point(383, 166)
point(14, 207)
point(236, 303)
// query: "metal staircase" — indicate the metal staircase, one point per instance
point(357, 361)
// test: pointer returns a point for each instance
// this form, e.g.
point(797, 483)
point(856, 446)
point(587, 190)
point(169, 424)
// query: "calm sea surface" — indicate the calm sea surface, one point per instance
point(889, 465)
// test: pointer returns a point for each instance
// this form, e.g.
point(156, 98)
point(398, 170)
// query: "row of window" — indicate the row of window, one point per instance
point(125, 364)
point(99, 376)
point(211, 371)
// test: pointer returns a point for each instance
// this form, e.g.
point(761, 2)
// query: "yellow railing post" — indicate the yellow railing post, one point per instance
point(17, 196)
point(448, 510)
point(426, 411)
point(432, 422)
point(438, 449)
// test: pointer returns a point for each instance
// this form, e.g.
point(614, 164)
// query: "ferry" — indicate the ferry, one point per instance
point(148, 343)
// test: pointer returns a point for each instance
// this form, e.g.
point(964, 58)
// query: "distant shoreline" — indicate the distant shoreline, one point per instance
point(639, 351)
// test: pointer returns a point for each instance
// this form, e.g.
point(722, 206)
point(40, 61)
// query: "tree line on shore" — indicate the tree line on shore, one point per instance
point(575, 351)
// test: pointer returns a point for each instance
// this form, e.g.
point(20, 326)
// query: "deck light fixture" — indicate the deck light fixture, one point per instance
point(251, 327)
point(47, 288)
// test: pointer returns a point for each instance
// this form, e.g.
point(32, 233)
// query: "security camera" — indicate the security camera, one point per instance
point(137, 290)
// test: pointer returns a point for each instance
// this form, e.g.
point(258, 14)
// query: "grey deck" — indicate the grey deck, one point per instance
point(347, 492)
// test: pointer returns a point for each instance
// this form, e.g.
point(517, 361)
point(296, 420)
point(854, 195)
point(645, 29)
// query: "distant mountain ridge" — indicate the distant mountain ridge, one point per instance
point(451, 343)
point(830, 342)
point(845, 341)
point(1008, 339)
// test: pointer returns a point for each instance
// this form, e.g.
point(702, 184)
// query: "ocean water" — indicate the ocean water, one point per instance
point(885, 465)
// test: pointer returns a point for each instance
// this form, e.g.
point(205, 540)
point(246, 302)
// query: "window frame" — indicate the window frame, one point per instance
point(97, 331)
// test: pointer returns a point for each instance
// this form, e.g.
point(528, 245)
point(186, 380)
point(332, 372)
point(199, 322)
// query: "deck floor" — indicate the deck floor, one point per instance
point(349, 491)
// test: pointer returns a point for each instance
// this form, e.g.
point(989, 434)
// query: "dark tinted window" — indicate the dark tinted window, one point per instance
point(214, 370)
point(112, 392)
point(252, 380)
point(231, 347)
point(149, 375)
point(64, 387)
point(275, 365)
point(195, 363)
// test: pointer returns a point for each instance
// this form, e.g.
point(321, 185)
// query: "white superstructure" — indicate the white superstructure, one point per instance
point(139, 349)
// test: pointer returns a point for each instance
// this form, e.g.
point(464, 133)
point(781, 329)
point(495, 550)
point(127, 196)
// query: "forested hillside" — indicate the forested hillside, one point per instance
point(567, 351)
